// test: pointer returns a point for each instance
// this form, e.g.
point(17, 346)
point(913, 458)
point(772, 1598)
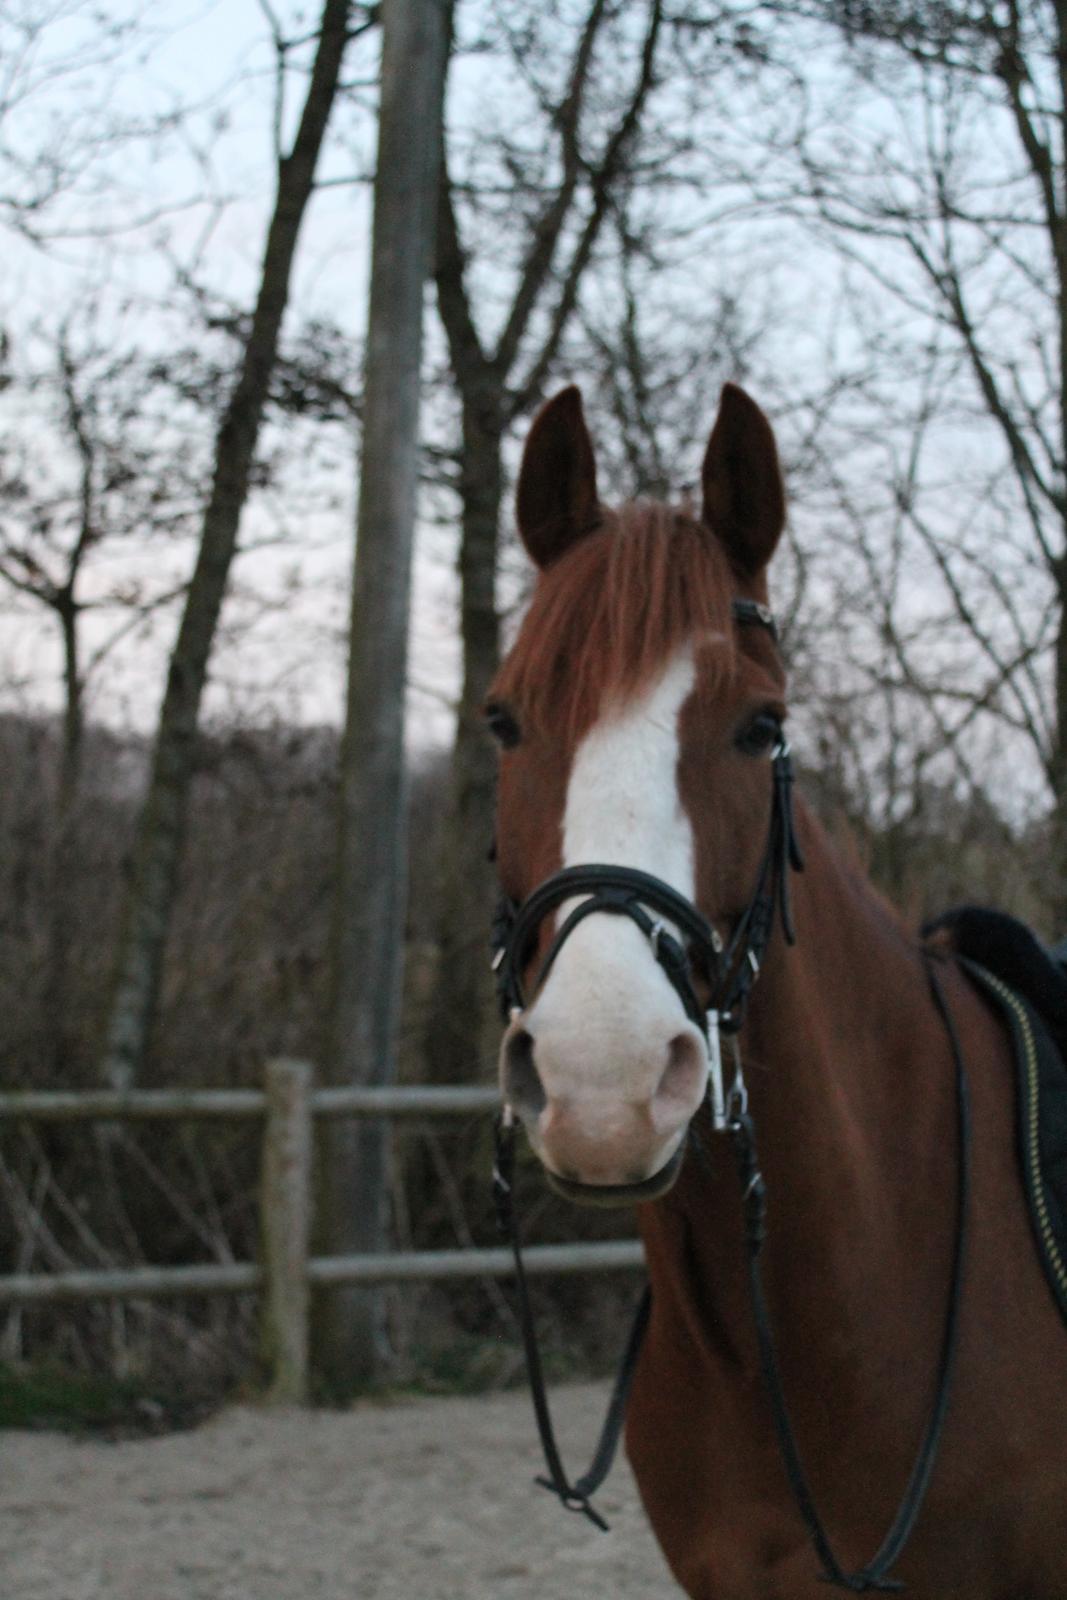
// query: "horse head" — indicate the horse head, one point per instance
point(639, 832)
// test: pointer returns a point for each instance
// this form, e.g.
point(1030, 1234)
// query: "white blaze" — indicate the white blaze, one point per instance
point(607, 1010)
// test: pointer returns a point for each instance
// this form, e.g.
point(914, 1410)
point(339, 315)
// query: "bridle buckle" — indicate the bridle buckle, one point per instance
point(737, 1099)
point(716, 1089)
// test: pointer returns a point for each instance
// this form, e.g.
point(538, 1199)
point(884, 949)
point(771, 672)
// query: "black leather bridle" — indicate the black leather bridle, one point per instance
point(683, 941)
point(729, 969)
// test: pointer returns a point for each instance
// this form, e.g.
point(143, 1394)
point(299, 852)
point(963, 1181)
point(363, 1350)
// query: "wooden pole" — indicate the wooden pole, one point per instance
point(86, 1105)
point(370, 884)
point(104, 1105)
point(449, 1266)
point(132, 1283)
point(391, 1266)
point(286, 1229)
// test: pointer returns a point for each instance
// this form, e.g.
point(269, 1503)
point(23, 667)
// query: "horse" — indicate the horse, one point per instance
point(646, 830)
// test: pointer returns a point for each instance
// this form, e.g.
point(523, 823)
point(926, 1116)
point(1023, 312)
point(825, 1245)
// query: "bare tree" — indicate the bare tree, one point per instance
point(556, 215)
point(935, 167)
point(103, 471)
point(68, 57)
point(161, 828)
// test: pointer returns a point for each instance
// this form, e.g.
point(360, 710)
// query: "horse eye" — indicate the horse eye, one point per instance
point(758, 735)
point(502, 725)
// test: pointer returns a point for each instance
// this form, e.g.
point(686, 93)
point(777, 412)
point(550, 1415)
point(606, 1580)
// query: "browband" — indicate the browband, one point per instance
point(753, 611)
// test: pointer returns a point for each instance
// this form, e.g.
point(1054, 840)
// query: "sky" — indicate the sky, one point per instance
point(188, 201)
point(193, 201)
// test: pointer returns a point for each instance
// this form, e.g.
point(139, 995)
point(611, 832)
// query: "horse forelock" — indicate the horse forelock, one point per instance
point(607, 617)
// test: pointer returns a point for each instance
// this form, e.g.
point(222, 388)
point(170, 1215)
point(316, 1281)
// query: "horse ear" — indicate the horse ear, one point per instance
point(744, 499)
point(557, 501)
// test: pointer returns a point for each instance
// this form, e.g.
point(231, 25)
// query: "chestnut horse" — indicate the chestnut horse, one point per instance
point(640, 713)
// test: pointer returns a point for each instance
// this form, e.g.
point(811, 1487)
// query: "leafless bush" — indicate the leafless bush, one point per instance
point(246, 979)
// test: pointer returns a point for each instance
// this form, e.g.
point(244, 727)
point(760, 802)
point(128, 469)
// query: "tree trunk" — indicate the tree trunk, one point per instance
point(63, 858)
point(1056, 892)
point(461, 1037)
point(368, 933)
point(161, 828)
point(461, 1033)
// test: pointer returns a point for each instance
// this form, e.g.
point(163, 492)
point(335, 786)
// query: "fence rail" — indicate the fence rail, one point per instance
point(286, 1272)
point(88, 1105)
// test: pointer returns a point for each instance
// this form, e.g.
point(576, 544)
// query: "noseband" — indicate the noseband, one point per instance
point(684, 943)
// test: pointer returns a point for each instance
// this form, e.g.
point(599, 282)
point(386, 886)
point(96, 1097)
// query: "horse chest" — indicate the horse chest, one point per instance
point(707, 1465)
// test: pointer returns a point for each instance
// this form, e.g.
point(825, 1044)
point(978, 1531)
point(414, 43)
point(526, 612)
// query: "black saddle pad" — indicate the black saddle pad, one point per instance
point(1027, 983)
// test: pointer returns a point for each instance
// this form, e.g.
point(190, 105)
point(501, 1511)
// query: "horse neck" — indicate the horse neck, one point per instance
point(852, 1094)
point(842, 1023)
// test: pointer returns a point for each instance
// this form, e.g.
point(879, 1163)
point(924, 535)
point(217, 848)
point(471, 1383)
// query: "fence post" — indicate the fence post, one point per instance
point(285, 1213)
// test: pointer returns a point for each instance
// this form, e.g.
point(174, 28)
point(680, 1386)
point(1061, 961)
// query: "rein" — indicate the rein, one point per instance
point(730, 970)
point(875, 1574)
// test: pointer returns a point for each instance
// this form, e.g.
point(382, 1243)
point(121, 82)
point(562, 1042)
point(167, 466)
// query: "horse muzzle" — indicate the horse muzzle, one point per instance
point(606, 1138)
point(608, 1196)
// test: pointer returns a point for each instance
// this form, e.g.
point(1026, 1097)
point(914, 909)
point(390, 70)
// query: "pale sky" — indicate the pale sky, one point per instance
point(282, 651)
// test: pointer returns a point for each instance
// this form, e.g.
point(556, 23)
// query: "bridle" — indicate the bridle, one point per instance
point(696, 950)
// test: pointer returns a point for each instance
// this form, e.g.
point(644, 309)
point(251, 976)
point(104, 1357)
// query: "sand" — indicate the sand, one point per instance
point(407, 1500)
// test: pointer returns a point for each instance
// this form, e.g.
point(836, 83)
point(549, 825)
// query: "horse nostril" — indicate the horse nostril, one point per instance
point(681, 1088)
point(522, 1084)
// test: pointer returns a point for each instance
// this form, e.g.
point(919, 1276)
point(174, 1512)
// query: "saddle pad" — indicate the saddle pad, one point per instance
point(1013, 953)
point(1041, 1089)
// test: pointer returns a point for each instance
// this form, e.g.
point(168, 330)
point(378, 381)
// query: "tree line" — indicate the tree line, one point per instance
point(858, 210)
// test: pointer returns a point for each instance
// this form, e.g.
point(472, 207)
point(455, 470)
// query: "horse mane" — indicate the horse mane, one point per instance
point(608, 615)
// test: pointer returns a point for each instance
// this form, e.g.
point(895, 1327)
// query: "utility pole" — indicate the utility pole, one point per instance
point(368, 926)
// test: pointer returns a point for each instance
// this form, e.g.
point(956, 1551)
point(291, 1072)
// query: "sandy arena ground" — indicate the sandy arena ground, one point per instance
point(413, 1500)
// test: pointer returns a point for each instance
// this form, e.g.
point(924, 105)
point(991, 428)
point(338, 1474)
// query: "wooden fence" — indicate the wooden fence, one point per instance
point(286, 1271)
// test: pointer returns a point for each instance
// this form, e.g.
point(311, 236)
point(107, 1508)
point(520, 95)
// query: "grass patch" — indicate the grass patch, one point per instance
point(465, 1365)
point(49, 1396)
